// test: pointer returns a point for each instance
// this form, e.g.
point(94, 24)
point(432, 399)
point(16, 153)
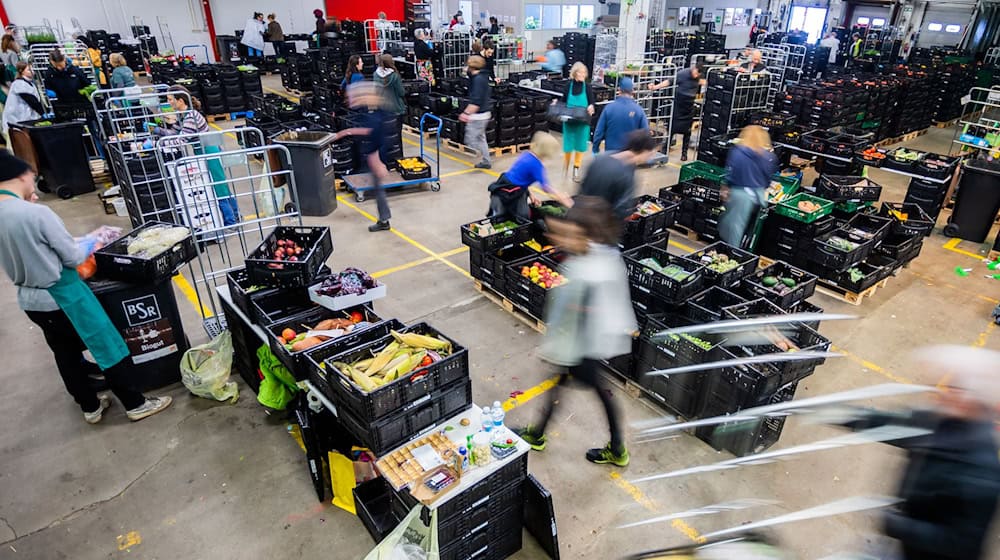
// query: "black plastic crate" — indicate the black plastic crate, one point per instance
point(844, 145)
point(870, 275)
point(242, 291)
point(476, 267)
point(404, 393)
point(839, 188)
point(747, 264)
point(707, 306)
point(500, 517)
point(897, 245)
point(503, 240)
point(658, 284)
point(480, 548)
point(317, 356)
point(780, 295)
point(827, 254)
point(114, 262)
point(816, 141)
point(808, 307)
point(317, 246)
point(389, 432)
point(917, 222)
point(280, 304)
point(701, 188)
point(374, 500)
point(648, 227)
point(936, 166)
point(802, 336)
point(750, 436)
point(413, 175)
point(524, 293)
point(296, 362)
point(495, 265)
point(868, 227)
point(502, 482)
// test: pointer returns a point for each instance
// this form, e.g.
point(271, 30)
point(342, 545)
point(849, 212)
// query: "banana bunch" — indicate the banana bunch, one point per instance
point(407, 352)
point(412, 164)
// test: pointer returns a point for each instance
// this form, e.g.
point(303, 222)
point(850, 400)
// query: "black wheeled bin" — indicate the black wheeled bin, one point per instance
point(61, 155)
point(313, 165)
point(147, 317)
point(977, 202)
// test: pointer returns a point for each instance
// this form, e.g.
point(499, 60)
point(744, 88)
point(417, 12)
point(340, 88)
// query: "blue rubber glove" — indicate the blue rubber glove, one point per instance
point(49, 115)
point(86, 244)
point(50, 94)
point(151, 127)
point(147, 145)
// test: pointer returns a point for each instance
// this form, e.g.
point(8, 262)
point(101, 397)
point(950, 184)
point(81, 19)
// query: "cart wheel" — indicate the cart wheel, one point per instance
point(289, 208)
point(951, 230)
point(436, 186)
point(64, 193)
point(359, 196)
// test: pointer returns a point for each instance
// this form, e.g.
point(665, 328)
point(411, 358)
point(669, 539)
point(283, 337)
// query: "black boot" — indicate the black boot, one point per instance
point(379, 226)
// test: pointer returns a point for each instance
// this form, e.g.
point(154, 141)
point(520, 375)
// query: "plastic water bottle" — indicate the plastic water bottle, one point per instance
point(498, 416)
point(487, 420)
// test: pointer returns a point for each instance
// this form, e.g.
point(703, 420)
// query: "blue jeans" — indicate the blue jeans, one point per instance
point(230, 210)
point(741, 208)
point(254, 52)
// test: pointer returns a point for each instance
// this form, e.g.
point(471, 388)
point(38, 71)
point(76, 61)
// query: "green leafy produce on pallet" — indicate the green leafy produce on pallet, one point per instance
point(487, 228)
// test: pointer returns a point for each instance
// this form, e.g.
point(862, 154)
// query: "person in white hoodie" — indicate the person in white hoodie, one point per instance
point(589, 317)
point(253, 35)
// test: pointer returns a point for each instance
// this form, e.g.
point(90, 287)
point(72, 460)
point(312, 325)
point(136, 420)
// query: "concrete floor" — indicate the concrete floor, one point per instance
point(224, 481)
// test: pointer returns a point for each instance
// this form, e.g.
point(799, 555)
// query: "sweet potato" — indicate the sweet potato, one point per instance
point(306, 343)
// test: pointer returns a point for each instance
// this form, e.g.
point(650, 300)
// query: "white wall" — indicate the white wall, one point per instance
point(945, 17)
point(869, 12)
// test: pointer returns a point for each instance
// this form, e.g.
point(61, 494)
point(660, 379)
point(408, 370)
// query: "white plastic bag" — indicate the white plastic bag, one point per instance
point(410, 540)
point(205, 369)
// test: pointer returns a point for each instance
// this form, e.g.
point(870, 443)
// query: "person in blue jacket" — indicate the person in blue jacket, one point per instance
point(749, 167)
point(618, 119)
point(353, 74)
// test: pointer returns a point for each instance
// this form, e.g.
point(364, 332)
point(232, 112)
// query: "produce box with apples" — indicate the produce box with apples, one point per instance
point(529, 280)
point(291, 256)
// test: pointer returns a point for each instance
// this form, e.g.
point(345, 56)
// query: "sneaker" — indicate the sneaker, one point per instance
point(149, 408)
point(576, 175)
point(484, 165)
point(605, 455)
point(684, 156)
point(95, 417)
point(379, 226)
point(536, 441)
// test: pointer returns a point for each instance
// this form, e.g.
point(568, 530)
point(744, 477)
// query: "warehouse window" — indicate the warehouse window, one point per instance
point(953, 29)
point(532, 16)
point(878, 22)
point(558, 16)
point(570, 16)
point(934, 27)
point(551, 16)
point(586, 16)
point(863, 21)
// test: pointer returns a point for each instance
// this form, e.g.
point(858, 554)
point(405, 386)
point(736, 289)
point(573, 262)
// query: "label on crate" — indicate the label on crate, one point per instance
point(149, 335)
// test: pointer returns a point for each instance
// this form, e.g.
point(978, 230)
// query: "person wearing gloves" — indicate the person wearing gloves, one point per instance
point(65, 80)
point(510, 194)
point(191, 123)
point(253, 35)
point(41, 257)
point(588, 319)
point(23, 103)
point(576, 134)
point(554, 59)
point(749, 167)
point(619, 118)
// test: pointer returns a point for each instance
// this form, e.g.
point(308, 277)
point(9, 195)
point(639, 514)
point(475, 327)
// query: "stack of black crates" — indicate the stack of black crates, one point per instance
point(578, 47)
point(221, 88)
point(729, 95)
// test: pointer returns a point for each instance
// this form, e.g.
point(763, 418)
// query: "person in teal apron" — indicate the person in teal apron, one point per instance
point(41, 257)
point(576, 134)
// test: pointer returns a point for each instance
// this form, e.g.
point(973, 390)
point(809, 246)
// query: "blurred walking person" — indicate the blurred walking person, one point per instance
point(951, 481)
point(476, 115)
point(376, 122)
point(589, 318)
point(612, 175)
point(749, 167)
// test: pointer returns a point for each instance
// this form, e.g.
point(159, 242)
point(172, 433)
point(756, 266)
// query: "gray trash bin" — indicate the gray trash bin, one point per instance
point(313, 166)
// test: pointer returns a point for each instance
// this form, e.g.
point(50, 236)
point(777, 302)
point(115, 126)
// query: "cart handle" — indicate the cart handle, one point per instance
point(437, 157)
point(202, 47)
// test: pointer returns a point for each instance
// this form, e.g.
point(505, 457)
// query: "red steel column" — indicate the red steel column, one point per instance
point(207, 6)
point(3, 14)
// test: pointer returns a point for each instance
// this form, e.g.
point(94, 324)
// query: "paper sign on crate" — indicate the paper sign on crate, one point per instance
point(336, 303)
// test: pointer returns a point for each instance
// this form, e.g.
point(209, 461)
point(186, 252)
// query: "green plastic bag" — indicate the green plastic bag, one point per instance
point(410, 540)
point(205, 369)
point(278, 387)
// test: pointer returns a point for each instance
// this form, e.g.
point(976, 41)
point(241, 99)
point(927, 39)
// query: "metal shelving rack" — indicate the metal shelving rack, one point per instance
point(261, 182)
point(38, 57)
point(992, 57)
point(455, 49)
point(382, 34)
point(509, 51)
point(980, 117)
point(605, 53)
point(751, 93)
point(657, 104)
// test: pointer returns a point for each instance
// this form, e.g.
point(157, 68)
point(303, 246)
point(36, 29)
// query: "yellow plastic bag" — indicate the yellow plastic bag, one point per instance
point(205, 369)
point(342, 481)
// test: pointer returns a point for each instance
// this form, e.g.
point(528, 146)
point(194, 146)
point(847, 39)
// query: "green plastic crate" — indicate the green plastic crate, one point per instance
point(852, 206)
point(789, 208)
point(701, 169)
point(789, 185)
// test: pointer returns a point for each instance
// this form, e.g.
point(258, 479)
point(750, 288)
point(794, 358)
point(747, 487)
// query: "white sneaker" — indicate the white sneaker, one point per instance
point(95, 417)
point(148, 408)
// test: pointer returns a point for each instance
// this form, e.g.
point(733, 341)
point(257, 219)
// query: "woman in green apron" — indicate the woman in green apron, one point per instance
point(576, 134)
point(41, 257)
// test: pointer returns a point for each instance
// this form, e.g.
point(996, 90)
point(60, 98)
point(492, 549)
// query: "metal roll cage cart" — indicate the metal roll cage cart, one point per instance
point(359, 183)
point(380, 35)
point(605, 53)
point(256, 182)
point(455, 49)
point(38, 57)
point(658, 104)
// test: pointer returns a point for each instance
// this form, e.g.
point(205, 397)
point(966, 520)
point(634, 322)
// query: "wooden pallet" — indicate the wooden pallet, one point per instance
point(295, 92)
point(428, 134)
point(687, 232)
point(461, 148)
point(509, 306)
point(229, 116)
point(903, 138)
point(827, 288)
point(947, 124)
point(504, 150)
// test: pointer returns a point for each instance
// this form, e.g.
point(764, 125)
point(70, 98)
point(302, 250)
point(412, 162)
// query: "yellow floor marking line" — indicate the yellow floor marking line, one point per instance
point(459, 172)
point(404, 237)
point(633, 491)
point(404, 266)
point(672, 164)
point(681, 246)
point(217, 127)
point(874, 367)
point(985, 335)
point(531, 393)
point(185, 287)
point(952, 245)
point(933, 282)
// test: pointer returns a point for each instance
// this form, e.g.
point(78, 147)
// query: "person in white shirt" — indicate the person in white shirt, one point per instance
point(833, 42)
